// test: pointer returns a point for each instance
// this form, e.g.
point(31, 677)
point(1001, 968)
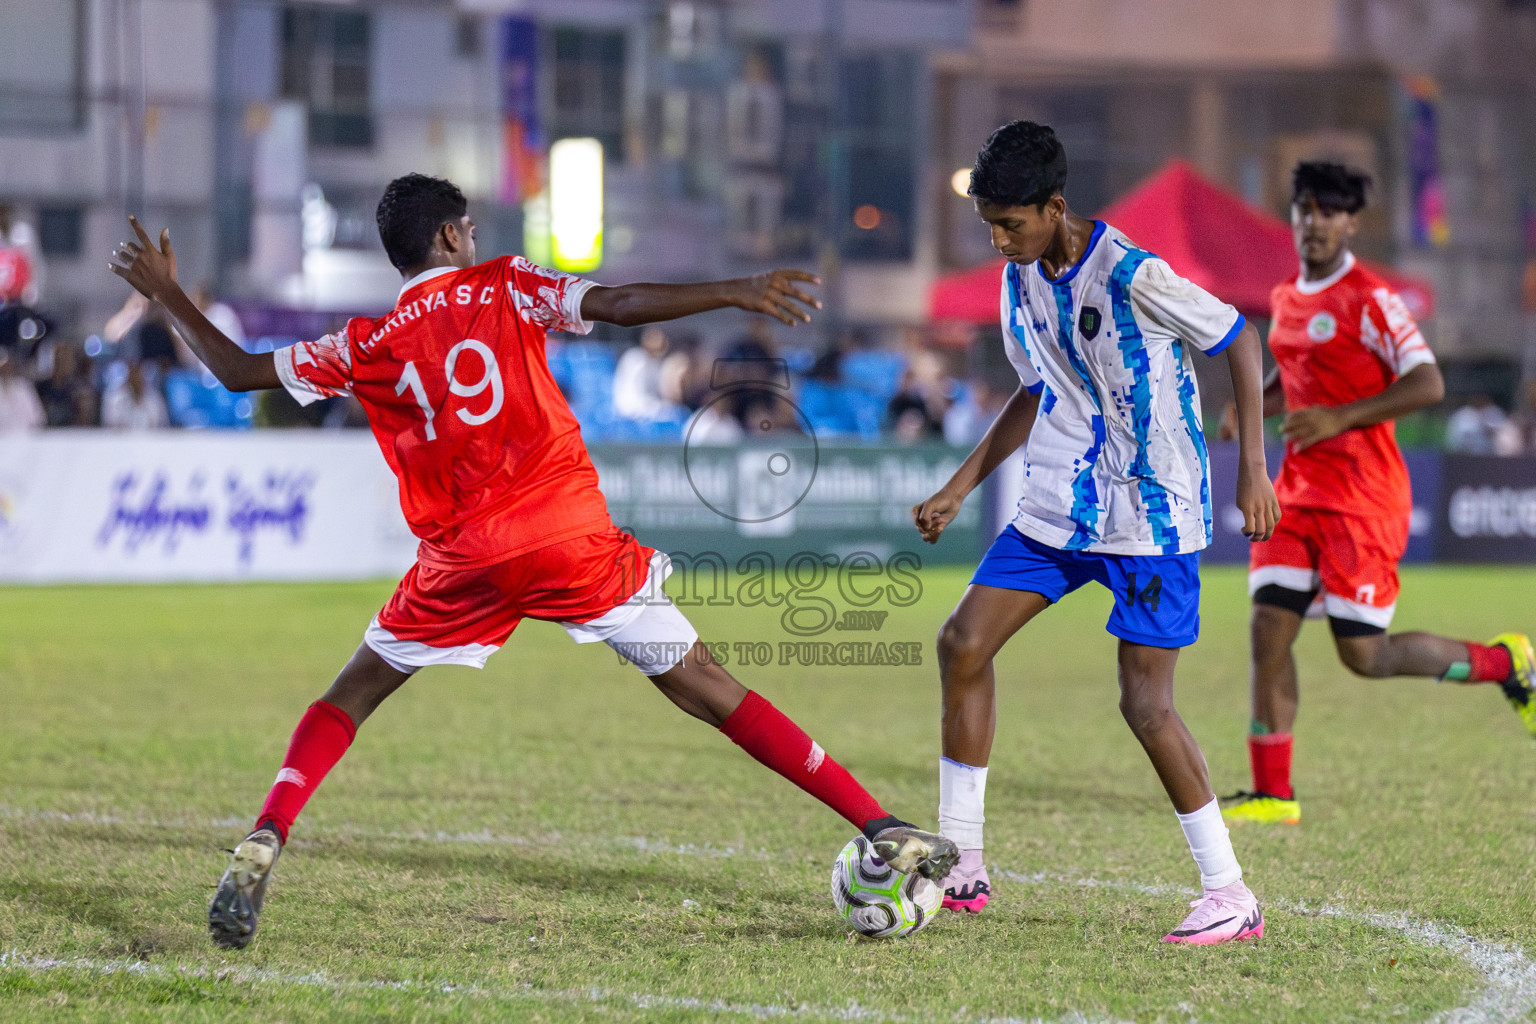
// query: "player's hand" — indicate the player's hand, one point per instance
point(777, 294)
point(936, 513)
point(149, 268)
point(1227, 431)
point(1256, 500)
point(1306, 427)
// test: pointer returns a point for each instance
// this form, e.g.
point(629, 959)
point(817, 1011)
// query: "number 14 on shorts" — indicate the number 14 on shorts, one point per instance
point(1149, 595)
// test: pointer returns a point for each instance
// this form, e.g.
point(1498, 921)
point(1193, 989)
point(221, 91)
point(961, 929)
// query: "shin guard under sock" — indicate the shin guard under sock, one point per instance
point(323, 735)
point(763, 731)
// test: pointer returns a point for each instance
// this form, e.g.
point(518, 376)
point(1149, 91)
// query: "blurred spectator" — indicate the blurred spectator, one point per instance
point(20, 408)
point(1525, 419)
point(21, 261)
point(142, 331)
point(134, 402)
point(218, 314)
point(916, 412)
point(689, 373)
point(968, 420)
point(1481, 428)
point(68, 396)
point(641, 390)
point(754, 380)
point(828, 366)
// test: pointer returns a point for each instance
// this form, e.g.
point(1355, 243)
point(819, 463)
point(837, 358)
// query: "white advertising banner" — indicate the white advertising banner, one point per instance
point(92, 506)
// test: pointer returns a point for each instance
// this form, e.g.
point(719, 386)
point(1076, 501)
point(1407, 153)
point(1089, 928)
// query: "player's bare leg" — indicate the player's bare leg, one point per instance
point(1507, 660)
point(1226, 911)
point(1275, 695)
point(363, 684)
point(1381, 655)
point(1146, 703)
point(323, 735)
point(984, 620)
point(969, 640)
point(700, 686)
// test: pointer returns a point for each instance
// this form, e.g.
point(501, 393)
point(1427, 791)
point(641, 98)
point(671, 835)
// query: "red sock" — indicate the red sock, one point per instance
point(324, 734)
point(1489, 664)
point(1270, 757)
point(763, 731)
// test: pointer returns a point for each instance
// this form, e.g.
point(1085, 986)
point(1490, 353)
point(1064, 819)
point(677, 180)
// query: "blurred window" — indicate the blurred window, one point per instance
point(588, 87)
point(59, 231)
point(42, 66)
point(325, 63)
point(879, 96)
point(468, 41)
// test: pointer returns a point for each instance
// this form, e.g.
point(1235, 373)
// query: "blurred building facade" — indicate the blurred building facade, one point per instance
point(1432, 97)
point(738, 134)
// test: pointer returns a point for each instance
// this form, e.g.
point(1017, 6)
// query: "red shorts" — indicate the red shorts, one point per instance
point(591, 585)
point(1352, 560)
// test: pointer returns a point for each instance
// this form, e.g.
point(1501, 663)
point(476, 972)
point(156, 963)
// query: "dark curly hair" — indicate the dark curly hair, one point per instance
point(1022, 164)
point(412, 209)
point(1334, 186)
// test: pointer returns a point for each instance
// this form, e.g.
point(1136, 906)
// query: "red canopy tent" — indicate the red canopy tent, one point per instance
point(1207, 234)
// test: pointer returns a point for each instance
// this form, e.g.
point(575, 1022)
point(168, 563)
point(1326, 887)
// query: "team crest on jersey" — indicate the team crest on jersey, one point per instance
point(1088, 322)
point(1322, 327)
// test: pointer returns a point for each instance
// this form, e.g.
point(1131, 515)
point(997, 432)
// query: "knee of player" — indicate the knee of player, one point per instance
point(1272, 630)
point(959, 649)
point(1143, 710)
point(1364, 656)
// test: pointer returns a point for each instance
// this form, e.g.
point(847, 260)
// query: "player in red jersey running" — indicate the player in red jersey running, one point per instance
point(496, 483)
point(1349, 360)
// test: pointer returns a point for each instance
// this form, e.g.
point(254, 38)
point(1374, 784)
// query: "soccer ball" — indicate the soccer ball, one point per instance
point(876, 899)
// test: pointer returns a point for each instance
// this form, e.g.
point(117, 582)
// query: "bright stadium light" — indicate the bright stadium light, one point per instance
point(960, 181)
point(576, 204)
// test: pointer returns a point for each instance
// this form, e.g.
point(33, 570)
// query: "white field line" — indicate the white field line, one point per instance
point(590, 995)
point(484, 837)
point(1509, 976)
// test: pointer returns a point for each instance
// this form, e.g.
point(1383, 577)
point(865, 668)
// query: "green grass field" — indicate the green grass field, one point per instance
point(550, 840)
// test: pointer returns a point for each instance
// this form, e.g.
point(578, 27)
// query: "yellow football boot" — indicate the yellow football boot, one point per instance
point(1261, 809)
point(1520, 687)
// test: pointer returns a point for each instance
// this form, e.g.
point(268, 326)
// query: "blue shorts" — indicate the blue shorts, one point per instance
point(1157, 597)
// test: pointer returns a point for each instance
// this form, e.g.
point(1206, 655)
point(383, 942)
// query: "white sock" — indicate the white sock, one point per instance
point(962, 802)
point(1211, 844)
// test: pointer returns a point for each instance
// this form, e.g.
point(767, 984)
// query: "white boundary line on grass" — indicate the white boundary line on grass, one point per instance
point(1509, 976)
point(588, 995)
point(1508, 994)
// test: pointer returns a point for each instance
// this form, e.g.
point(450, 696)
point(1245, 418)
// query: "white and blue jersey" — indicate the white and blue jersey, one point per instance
point(1116, 461)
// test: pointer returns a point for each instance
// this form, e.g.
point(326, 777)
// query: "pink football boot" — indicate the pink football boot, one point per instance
point(967, 887)
point(1228, 914)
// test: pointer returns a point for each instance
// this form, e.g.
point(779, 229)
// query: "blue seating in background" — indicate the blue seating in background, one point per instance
point(837, 410)
point(874, 371)
point(853, 409)
point(195, 398)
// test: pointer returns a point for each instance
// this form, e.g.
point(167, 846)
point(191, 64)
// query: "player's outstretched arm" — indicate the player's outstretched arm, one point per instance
point(1255, 494)
point(777, 294)
point(1274, 405)
point(1006, 435)
point(151, 269)
point(1420, 387)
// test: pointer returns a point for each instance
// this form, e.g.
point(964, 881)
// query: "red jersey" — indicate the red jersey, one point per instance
point(460, 398)
point(1336, 341)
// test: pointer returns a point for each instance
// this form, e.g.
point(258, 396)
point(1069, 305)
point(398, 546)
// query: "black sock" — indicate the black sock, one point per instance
point(874, 826)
